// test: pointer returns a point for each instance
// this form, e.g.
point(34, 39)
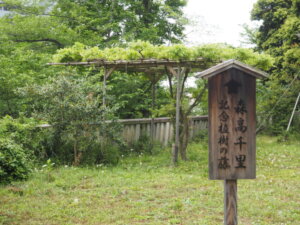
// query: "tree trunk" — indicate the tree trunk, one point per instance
point(75, 163)
point(77, 153)
point(184, 135)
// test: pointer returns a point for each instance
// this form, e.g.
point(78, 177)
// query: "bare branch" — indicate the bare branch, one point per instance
point(170, 82)
point(186, 73)
point(199, 97)
point(60, 45)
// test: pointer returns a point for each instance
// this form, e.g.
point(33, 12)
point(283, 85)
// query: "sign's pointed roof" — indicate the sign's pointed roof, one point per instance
point(232, 63)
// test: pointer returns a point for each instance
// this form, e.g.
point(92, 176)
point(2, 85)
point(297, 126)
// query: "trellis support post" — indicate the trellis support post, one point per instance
point(178, 75)
point(153, 106)
point(106, 75)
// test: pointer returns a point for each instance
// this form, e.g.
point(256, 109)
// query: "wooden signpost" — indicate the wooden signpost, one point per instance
point(232, 125)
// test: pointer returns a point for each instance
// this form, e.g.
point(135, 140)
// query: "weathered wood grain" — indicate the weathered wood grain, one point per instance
point(218, 92)
point(163, 128)
point(162, 132)
point(137, 132)
point(230, 202)
point(167, 132)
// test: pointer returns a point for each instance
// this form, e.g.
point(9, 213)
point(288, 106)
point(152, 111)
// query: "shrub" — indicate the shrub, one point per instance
point(94, 147)
point(24, 132)
point(21, 142)
point(144, 145)
point(80, 123)
point(201, 136)
point(15, 164)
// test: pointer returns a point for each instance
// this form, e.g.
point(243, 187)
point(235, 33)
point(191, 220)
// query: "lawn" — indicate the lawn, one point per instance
point(147, 190)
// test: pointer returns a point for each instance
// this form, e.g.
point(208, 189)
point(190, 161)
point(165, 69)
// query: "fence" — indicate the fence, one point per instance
point(162, 128)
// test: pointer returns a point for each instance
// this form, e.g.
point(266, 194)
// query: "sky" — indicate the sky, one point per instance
point(217, 21)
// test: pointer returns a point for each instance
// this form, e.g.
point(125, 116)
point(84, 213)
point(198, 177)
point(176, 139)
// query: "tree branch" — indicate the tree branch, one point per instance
point(23, 10)
point(170, 82)
point(200, 95)
point(60, 45)
point(186, 73)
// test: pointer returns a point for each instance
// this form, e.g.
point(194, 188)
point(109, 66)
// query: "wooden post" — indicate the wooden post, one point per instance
point(230, 202)
point(291, 119)
point(176, 144)
point(153, 106)
point(177, 117)
point(178, 75)
point(107, 73)
point(104, 90)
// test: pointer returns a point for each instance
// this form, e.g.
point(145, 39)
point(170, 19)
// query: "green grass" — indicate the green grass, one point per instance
point(146, 190)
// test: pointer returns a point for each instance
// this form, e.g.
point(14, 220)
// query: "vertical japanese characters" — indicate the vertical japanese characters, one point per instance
point(224, 134)
point(223, 138)
point(232, 121)
point(241, 128)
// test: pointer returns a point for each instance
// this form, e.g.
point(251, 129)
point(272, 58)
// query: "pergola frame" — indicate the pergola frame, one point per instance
point(154, 69)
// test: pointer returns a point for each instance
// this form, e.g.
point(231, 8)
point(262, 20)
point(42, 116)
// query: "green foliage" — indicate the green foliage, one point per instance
point(21, 143)
point(20, 67)
point(144, 145)
point(73, 53)
point(15, 163)
point(134, 104)
point(210, 54)
point(201, 137)
point(31, 31)
point(25, 133)
point(48, 167)
point(143, 48)
point(274, 14)
point(35, 29)
point(217, 52)
point(278, 35)
point(176, 52)
point(92, 22)
point(79, 122)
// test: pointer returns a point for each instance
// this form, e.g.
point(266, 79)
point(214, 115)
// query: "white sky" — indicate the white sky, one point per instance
point(217, 21)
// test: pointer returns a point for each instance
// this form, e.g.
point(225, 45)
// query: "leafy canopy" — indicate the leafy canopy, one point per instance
point(31, 31)
point(59, 23)
point(279, 36)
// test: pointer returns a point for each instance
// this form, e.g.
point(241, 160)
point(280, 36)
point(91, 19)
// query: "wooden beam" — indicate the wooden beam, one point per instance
point(145, 62)
point(172, 70)
point(144, 65)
